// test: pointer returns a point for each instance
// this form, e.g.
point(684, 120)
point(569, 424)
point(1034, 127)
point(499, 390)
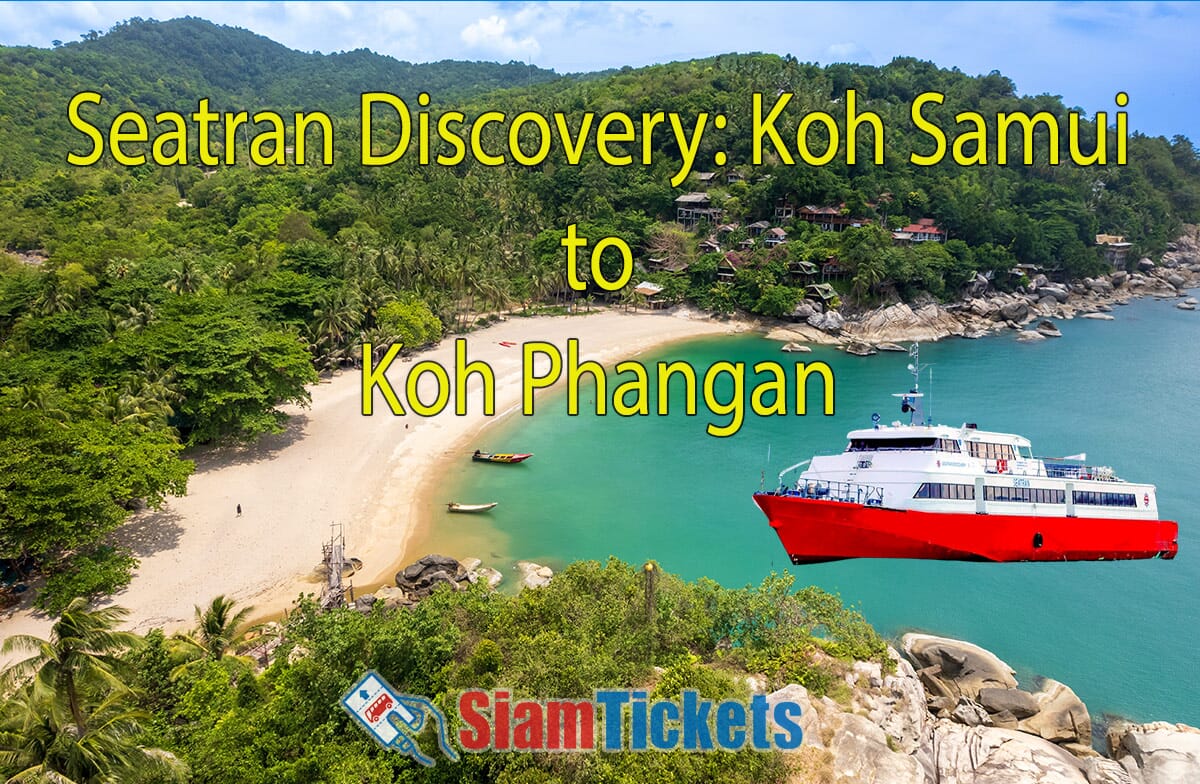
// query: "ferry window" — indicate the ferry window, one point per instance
point(989, 451)
point(872, 444)
point(1035, 495)
point(1094, 498)
point(946, 445)
point(953, 492)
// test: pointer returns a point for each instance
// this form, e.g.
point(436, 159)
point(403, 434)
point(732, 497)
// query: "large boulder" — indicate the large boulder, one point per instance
point(861, 753)
point(534, 575)
point(1100, 285)
point(1016, 310)
point(1049, 329)
point(984, 308)
point(978, 286)
point(1020, 703)
point(492, 576)
point(802, 311)
point(894, 702)
point(1061, 716)
point(1119, 278)
point(419, 579)
point(831, 321)
point(1056, 290)
point(812, 727)
point(970, 713)
point(392, 597)
point(953, 668)
point(1176, 280)
point(991, 755)
point(1157, 753)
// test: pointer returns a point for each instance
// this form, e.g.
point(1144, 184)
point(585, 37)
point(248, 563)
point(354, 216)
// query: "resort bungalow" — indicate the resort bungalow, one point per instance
point(651, 292)
point(923, 230)
point(728, 267)
point(710, 245)
point(1115, 248)
point(784, 211)
point(803, 270)
point(705, 178)
point(692, 208)
point(758, 227)
point(775, 236)
point(832, 269)
point(821, 291)
point(829, 218)
point(666, 264)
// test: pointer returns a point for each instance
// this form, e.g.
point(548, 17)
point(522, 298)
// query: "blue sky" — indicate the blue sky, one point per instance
point(1085, 52)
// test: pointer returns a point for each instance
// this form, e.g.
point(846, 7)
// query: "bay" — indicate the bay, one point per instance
point(1123, 635)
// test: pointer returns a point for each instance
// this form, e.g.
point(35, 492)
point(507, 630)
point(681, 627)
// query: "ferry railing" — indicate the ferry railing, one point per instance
point(845, 492)
point(1079, 471)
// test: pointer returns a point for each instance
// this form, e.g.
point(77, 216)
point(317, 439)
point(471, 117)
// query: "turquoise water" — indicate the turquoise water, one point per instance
point(1123, 635)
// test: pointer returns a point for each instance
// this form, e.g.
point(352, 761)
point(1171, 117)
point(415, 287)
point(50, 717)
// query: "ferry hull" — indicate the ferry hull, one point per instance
point(816, 530)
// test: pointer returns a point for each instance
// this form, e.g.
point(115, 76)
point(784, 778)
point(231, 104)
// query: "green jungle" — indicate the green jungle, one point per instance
point(147, 309)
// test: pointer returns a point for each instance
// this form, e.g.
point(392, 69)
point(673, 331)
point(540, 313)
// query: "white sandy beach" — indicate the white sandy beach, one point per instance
point(374, 475)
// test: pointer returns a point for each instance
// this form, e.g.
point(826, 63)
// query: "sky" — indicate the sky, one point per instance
point(1084, 52)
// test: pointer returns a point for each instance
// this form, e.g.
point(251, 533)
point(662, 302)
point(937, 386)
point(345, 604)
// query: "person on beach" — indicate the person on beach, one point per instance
point(239, 510)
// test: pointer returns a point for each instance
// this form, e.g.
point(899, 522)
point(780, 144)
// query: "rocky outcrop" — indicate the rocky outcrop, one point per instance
point(861, 753)
point(422, 577)
point(860, 349)
point(1029, 336)
point(1049, 329)
point(900, 322)
point(998, 735)
point(831, 321)
point(953, 668)
point(991, 755)
point(1021, 704)
point(1157, 753)
point(1061, 717)
point(984, 310)
point(534, 575)
point(970, 686)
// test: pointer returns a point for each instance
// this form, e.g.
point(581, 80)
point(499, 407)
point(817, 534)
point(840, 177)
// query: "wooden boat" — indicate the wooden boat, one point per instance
point(499, 457)
point(456, 507)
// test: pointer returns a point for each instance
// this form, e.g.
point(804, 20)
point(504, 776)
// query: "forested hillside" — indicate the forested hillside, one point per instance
point(144, 308)
point(154, 66)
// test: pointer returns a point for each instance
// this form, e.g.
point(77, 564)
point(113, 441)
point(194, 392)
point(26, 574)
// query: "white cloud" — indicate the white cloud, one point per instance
point(1082, 51)
point(491, 35)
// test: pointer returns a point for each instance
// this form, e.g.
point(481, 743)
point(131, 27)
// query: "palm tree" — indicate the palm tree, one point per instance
point(80, 655)
point(40, 747)
point(335, 317)
point(187, 279)
point(218, 629)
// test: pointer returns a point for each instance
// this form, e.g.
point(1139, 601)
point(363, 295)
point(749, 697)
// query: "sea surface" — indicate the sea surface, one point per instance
point(1124, 635)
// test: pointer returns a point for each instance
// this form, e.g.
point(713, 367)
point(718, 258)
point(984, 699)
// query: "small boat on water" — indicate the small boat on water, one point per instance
point(499, 457)
point(456, 507)
point(920, 490)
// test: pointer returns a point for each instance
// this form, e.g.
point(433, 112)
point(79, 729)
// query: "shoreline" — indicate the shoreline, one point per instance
point(378, 475)
point(375, 475)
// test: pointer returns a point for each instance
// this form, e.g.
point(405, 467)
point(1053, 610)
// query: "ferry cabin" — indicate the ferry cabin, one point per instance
point(945, 469)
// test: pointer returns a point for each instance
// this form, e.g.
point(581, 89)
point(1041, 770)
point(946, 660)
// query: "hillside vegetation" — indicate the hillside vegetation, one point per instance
point(144, 308)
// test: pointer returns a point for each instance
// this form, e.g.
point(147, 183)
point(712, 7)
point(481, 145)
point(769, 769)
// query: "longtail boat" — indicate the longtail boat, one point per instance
point(499, 457)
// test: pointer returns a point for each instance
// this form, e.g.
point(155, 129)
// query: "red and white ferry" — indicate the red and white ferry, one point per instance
point(920, 490)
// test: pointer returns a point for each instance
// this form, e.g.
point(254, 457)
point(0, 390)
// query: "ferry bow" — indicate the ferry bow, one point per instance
point(920, 490)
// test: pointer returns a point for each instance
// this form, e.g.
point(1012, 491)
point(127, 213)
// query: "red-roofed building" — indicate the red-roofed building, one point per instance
point(924, 230)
